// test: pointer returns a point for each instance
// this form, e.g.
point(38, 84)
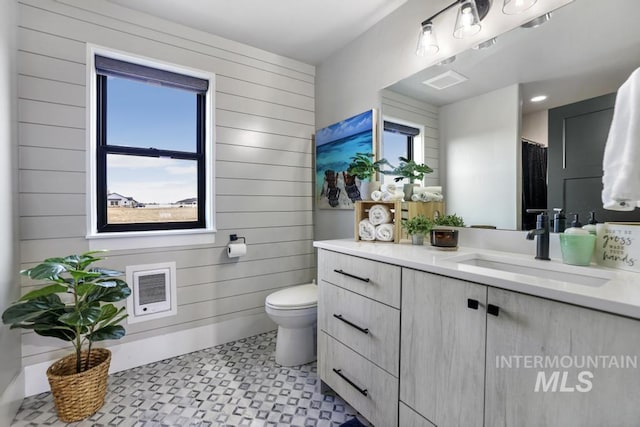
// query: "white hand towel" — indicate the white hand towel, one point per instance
point(379, 214)
point(415, 197)
point(366, 230)
point(384, 232)
point(376, 196)
point(391, 188)
point(621, 179)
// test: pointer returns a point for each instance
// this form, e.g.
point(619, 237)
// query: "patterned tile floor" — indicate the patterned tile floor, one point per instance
point(234, 384)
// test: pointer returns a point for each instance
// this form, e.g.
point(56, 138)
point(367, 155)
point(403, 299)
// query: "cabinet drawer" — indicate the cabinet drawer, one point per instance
point(372, 279)
point(369, 389)
point(368, 327)
point(410, 418)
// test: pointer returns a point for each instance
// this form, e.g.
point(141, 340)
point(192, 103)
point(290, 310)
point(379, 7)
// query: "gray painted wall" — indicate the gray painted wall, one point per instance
point(265, 118)
point(9, 282)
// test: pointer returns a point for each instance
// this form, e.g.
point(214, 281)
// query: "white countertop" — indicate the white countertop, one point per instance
point(619, 295)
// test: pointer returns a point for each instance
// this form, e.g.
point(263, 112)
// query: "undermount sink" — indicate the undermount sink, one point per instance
point(535, 268)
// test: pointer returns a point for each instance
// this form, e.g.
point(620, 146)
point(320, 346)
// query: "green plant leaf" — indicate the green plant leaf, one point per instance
point(107, 312)
point(117, 292)
point(84, 276)
point(30, 310)
point(46, 270)
point(111, 332)
point(105, 272)
point(47, 290)
point(63, 333)
point(86, 315)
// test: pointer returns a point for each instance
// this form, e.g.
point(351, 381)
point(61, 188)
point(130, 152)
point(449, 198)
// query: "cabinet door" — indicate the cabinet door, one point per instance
point(537, 343)
point(442, 357)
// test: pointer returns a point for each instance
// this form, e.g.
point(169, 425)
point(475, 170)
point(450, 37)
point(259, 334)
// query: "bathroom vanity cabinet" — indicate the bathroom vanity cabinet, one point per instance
point(358, 340)
point(470, 354)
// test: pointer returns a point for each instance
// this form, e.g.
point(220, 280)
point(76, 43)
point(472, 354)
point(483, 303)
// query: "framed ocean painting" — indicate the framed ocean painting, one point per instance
point(335, 145)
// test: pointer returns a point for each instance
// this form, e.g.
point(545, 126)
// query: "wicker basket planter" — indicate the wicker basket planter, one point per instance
point(78, 396)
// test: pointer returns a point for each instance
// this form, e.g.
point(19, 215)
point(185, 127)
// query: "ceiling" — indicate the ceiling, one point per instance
point(306, 30)
point(588, 48)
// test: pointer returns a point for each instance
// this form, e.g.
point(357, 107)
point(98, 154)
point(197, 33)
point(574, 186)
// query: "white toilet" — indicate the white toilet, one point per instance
point(295, 310)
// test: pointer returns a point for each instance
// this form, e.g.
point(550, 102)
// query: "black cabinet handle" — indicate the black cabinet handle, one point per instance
point(352, 276)
point(363, 330)
point(493, 309)
point(472, 304)
point(364, 392)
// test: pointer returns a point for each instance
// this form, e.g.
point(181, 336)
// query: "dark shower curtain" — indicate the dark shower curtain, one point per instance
point(534, 181)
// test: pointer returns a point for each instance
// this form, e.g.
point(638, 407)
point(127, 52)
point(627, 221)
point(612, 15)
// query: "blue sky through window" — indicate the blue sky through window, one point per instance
point(144, 115)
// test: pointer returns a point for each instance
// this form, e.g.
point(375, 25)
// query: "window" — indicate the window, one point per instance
point(399, 141)
point(153, 149)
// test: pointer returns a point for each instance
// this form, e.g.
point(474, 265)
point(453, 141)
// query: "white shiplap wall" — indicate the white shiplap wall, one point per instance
point(264, 121)
point(395, 105)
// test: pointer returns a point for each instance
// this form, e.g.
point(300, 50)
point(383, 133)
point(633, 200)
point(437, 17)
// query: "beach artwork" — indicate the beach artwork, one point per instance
point(335, 145)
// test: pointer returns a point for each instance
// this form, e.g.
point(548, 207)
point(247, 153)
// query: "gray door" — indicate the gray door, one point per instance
point(577, 136)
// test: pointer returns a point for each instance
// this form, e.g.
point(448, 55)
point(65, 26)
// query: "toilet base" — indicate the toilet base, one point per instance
point(296, 347)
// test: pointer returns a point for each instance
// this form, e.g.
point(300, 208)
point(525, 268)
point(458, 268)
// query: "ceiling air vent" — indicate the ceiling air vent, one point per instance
point(445, 80)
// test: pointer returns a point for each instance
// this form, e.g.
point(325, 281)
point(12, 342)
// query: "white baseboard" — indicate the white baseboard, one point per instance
point(148, 350)
point(11, 399)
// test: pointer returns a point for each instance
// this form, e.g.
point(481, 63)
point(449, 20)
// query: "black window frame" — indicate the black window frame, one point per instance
point(103, 149)
point(408, 131)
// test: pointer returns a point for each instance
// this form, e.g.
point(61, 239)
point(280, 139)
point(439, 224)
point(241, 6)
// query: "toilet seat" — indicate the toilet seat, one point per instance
point(294, 298)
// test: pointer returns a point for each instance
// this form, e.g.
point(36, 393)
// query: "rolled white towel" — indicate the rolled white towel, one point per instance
point(384, 232)
point(391, 197)
point(434, 189)
point(416, 197)
point(431, 197)
point(376, 196)
point(379, 214)
point(366, 230)
point(391, 188)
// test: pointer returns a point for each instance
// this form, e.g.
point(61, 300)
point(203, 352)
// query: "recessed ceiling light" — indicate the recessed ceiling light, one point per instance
point(539, 98)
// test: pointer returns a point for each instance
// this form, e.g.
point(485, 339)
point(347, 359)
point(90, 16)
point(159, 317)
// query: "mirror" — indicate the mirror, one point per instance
point(588, 48)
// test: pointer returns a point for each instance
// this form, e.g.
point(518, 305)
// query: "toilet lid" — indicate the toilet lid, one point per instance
point(302, 296)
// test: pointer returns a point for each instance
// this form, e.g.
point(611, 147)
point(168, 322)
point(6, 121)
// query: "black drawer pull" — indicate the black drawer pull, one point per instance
point(363, 330)
point(493, 309)
point(364, 392)
point(352, 276)
point(472, 304)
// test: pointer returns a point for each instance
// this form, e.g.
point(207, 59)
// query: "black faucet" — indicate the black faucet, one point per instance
point(542, 231)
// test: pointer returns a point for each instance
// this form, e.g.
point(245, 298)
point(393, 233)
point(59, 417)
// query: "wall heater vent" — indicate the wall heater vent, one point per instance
point(153, 289)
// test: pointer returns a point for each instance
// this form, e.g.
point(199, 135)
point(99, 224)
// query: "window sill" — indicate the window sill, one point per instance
point(150, 239)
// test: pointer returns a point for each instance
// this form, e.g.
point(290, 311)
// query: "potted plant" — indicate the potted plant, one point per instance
point(75, 305)
point(365, 169)
point(412, 171)
point(441, 236)
point(417, 227)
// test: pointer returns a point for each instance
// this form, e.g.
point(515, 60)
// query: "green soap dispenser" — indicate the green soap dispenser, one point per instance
point(591, 225)
point(576, 227)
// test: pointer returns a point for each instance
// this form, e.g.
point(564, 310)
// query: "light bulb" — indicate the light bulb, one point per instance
point(513, 7)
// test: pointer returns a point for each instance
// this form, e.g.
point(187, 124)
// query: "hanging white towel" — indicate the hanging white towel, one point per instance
point(621, 163)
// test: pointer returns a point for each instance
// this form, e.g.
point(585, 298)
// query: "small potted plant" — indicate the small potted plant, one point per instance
point(75, 305)
point(365, 169)
point(417, 227)
point(410, 170)
point(442, 235)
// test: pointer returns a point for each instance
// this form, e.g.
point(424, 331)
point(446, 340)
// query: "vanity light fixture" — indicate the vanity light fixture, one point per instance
point(427, 41)
point(536, 22)
point(514, 7)
point(486, 44)
point(539, 98)
point(470, 13)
